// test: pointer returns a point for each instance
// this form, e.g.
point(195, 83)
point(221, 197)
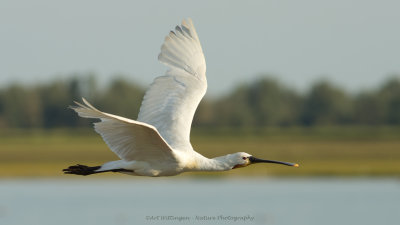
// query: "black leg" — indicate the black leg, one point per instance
point(88, 170)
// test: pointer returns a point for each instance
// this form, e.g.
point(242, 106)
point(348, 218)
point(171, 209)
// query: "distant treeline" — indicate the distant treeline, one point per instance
point(264, 102)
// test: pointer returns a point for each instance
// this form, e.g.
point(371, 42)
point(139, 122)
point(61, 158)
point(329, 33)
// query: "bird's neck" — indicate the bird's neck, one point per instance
point(214, 164)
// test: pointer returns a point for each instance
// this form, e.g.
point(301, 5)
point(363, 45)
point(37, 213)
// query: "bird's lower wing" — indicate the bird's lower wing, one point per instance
point(129, 139)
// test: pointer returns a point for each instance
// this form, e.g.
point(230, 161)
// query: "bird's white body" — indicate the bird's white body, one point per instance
point(184, 163)
point(158, 142)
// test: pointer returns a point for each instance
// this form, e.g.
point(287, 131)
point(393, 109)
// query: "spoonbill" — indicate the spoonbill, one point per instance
point(158, 142)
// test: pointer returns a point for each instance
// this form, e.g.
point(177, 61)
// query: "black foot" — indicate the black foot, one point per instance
point(81, 170)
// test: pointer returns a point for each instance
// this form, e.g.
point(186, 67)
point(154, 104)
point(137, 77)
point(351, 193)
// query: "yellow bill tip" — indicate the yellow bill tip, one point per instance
point(296, 165)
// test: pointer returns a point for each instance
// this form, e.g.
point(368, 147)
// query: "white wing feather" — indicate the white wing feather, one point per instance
point(172, 99)
point(129, 139)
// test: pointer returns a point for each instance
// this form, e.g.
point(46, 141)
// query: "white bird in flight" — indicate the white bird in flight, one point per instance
point(158, 142)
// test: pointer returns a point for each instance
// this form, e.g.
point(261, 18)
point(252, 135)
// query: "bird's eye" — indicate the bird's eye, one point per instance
point(244, 158)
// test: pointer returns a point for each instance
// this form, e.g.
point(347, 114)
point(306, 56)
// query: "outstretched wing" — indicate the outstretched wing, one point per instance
point(129, 139)
point(172, 99)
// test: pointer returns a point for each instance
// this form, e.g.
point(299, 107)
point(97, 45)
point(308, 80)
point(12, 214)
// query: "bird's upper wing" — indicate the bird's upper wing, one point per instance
point(172, 99)
point(129, 139)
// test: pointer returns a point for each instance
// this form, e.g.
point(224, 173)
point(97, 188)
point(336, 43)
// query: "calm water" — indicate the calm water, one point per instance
point(200, 201)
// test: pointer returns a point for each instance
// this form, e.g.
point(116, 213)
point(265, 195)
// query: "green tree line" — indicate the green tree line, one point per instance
point(264, 102)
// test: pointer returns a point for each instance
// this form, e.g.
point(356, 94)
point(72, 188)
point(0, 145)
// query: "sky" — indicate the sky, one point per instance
point(352, 43)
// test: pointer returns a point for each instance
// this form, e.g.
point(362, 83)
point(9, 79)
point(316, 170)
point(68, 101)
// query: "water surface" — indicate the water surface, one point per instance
point(200, 201)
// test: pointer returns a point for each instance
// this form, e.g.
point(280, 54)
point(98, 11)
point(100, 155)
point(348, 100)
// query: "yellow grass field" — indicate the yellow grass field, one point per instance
point(337, 151)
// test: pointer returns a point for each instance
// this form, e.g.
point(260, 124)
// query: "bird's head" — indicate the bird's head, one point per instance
point(242, 159)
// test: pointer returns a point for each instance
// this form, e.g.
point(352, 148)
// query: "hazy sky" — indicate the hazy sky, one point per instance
point(354, 43)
